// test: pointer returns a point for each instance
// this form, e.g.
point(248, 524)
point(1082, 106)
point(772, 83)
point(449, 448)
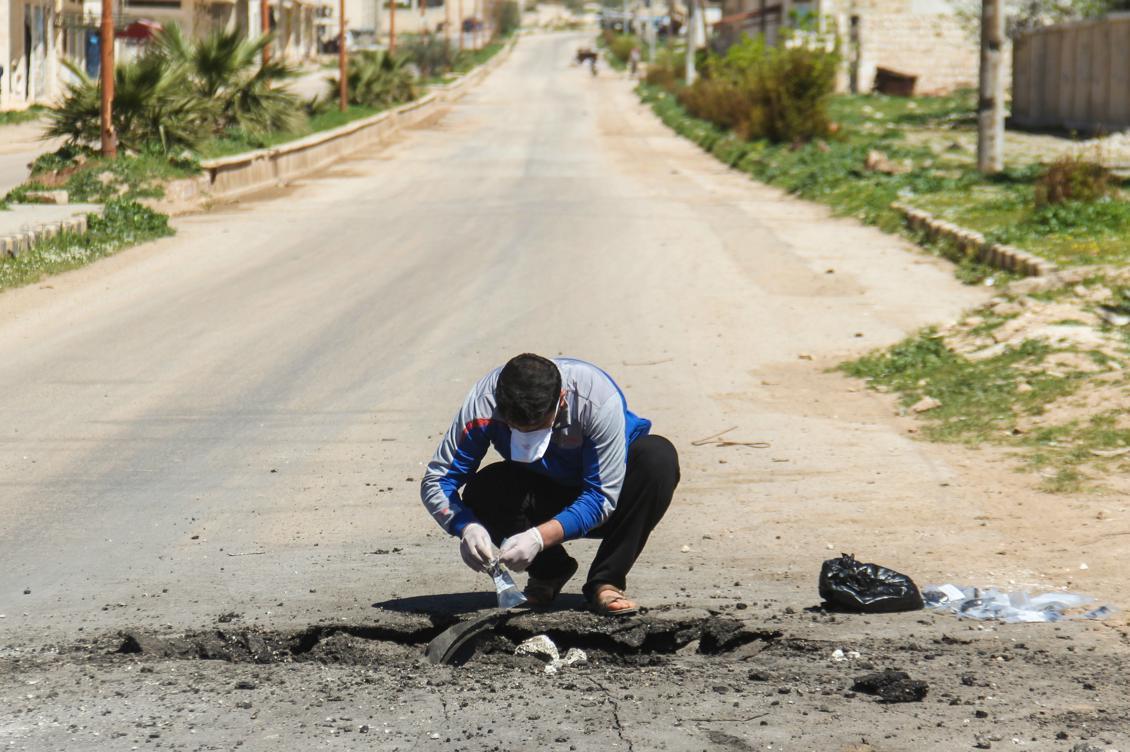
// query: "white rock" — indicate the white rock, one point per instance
point(925, 404)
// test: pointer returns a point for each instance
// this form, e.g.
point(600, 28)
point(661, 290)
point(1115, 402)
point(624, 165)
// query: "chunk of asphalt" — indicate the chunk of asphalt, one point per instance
point(891, 686)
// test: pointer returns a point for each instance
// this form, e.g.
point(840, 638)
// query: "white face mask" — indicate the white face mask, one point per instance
point(530, 446)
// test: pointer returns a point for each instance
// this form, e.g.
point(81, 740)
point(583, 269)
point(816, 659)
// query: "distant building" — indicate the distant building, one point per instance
point(37, 35)
point(30, 42)
point(369, 21)
point(921, 38)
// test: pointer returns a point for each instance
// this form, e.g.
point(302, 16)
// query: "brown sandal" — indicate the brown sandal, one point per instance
point(606, 599)
point(540, 593)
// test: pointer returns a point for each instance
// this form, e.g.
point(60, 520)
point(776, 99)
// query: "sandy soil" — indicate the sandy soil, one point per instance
point(225, 431)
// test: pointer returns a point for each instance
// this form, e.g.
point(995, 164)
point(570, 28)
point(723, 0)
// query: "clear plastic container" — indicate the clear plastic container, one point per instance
point(508, 593)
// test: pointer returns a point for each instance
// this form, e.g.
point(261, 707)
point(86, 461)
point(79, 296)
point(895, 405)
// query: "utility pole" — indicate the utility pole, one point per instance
point(342, 84)
point(460, 25)
point(990, 103)
point(109, 140)
point(265, 27)
point(691, 35)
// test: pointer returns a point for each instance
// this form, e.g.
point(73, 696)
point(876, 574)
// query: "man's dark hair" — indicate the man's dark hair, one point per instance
point(529, 387)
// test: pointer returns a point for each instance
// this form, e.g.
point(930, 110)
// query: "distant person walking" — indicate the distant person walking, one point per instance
point(634, 61)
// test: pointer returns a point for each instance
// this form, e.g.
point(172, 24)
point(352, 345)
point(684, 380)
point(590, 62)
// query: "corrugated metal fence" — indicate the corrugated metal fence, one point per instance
point(1073, 76)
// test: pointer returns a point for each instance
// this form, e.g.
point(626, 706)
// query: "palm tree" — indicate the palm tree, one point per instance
point(377, 79)
point(225, 69)
point(152, 107)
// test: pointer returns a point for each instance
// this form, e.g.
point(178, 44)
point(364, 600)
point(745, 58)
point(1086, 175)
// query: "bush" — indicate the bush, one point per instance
point(723, 101)
point(667, 71)
point(776, 93)
point(1072, 178)
point(128, 222)
point(152, 106)
point(619, 45)
point(507, 17)
point(377, 79)
point(226, 70)
point(431, 53)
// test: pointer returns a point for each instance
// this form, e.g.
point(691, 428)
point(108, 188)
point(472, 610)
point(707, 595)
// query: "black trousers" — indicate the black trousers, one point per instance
point(508, 498)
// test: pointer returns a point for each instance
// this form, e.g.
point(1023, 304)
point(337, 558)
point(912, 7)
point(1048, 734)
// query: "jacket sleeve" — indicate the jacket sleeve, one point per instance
point(455, 461)
point(604, 456)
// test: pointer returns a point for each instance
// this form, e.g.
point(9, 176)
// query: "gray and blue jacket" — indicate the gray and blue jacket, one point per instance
point(588, 449)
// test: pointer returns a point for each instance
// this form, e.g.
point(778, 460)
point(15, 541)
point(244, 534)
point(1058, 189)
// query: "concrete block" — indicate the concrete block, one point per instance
point(20, 244)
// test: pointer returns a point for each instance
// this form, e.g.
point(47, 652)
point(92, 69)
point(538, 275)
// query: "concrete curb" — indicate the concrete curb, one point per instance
point(20, 243)
point(974, 245)
point(228, 178)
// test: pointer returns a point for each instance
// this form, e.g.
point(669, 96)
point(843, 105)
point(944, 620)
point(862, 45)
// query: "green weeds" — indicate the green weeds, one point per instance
point(89, 178)
point(121, 224)
point(834, 171)
point(15, 117)
point(980, 399)
point(1022, 397)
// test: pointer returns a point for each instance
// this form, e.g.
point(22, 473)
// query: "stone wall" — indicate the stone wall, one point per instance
point(918, 37)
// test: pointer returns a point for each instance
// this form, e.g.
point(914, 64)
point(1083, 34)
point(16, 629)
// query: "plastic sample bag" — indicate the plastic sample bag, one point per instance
point(851, 585)
point(1012, 608)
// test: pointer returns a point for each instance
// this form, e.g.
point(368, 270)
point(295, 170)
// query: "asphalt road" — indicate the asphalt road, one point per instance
point(235, 420)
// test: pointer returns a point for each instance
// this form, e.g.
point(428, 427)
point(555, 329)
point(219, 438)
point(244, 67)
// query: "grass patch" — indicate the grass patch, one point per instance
point(938, 179)
point(90, 178)
point(996, 400)
point(474, 58)
point(237, 142)
point(121, 224)
point(981, 399)
point(15, 117)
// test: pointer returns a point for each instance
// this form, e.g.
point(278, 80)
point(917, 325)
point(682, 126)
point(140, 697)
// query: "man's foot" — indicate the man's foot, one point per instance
point(611, 601)
point(540, 593)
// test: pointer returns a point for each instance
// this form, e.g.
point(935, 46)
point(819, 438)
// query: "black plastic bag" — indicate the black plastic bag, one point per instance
point(868, 588)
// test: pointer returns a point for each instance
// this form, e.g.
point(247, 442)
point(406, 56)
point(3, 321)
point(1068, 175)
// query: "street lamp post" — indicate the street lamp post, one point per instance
point(109, 142)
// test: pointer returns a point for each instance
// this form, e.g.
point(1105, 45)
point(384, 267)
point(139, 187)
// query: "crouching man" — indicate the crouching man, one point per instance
point(575, 463)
